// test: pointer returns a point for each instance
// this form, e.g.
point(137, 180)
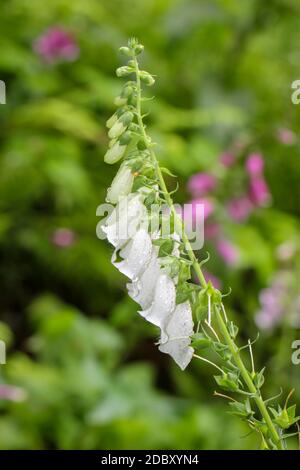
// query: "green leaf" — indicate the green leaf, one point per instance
point(167, 172)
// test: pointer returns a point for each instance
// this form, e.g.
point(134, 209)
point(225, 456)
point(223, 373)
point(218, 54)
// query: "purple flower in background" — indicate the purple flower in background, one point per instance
point(227, 159)
point(259, 191)
point(227, 251)
point(212, 278)
point(254, 164)
point(63, 237)
point(7, 392)
point(193, 208)
point(56, 44)
point(211, 230)
point(239, 208)
point(286, 136)
point(201, 184)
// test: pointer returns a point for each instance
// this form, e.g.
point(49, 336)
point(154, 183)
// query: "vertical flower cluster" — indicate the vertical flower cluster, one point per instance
point(158, 262)
point(149, 259)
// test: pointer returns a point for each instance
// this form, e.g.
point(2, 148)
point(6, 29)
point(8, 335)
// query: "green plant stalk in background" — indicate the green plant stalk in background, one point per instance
point(235, 375)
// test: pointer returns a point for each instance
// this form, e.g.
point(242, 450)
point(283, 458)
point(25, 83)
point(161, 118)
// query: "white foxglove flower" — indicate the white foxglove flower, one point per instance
point(136, 255)
point(125, 219)
point(163, 303)
point(175, 339)
point(115, 153)
point(142, 290)
point(120, 125)
point(121, 185)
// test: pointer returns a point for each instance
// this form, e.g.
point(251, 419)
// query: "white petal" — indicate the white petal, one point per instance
point(142, 290)
point(164, 302)
point(125, 219)
point(136, 255)
point(121, 185)
point(115, 153)
point(176, 338)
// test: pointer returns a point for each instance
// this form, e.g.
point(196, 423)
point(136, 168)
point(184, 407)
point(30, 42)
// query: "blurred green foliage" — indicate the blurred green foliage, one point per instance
point(90, 374)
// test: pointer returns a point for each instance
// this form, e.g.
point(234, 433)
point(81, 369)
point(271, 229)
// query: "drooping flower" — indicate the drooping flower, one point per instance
point(201, 184)
point(125, 219)
point(254, 164)
point(239, 208)
point(115, 153)
point(121, 185)
point(56, 44)
point(136, 255)
point(175, 339)
point(141, 290)
point(163, 304)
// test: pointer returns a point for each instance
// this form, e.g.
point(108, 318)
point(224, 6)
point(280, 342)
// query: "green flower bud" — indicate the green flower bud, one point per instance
point(117, 129)
point(111, 121)
point(146, 78)
point(138, 49)
point(125, 51)
point(121, 185)
point(115, 153)
point(119, 101)
point(125, 138)
point(124, 71)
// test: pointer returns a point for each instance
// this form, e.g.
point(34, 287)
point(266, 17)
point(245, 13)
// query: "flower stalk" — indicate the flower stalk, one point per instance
point(174, 319)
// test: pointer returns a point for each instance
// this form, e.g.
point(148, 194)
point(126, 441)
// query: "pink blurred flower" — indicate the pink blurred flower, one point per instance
point(211, 230)
point(7, 392)
point(197, 207)
point(239, 208)
point(254, 164)
point(56, 44)
point(286, 136)
point(259, 191)
point(63, 237)
point(212, 278)
point(227, 159)
point(227, 251)
point(201, 184)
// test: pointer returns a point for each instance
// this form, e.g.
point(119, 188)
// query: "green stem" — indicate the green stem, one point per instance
point(222, 325)
point(248, 380)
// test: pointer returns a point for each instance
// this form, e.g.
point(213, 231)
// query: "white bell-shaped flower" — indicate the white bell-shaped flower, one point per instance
point(121, 185)
point(136, 255)
point(125, 219)
point(142, 289)
point(115, 153)
point(163, 303)
point(175, 339)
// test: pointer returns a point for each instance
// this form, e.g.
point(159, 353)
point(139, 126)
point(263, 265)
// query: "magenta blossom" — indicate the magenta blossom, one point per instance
point(286, 136)
point(227, 251)
point(259, 191)
point(211, 230)
point(10, 393)
point(56, 44)
point(63, 237)
point(227, 159)
point(239, 208)
point(209, 277)
point(201, 184)
point(254, 164)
